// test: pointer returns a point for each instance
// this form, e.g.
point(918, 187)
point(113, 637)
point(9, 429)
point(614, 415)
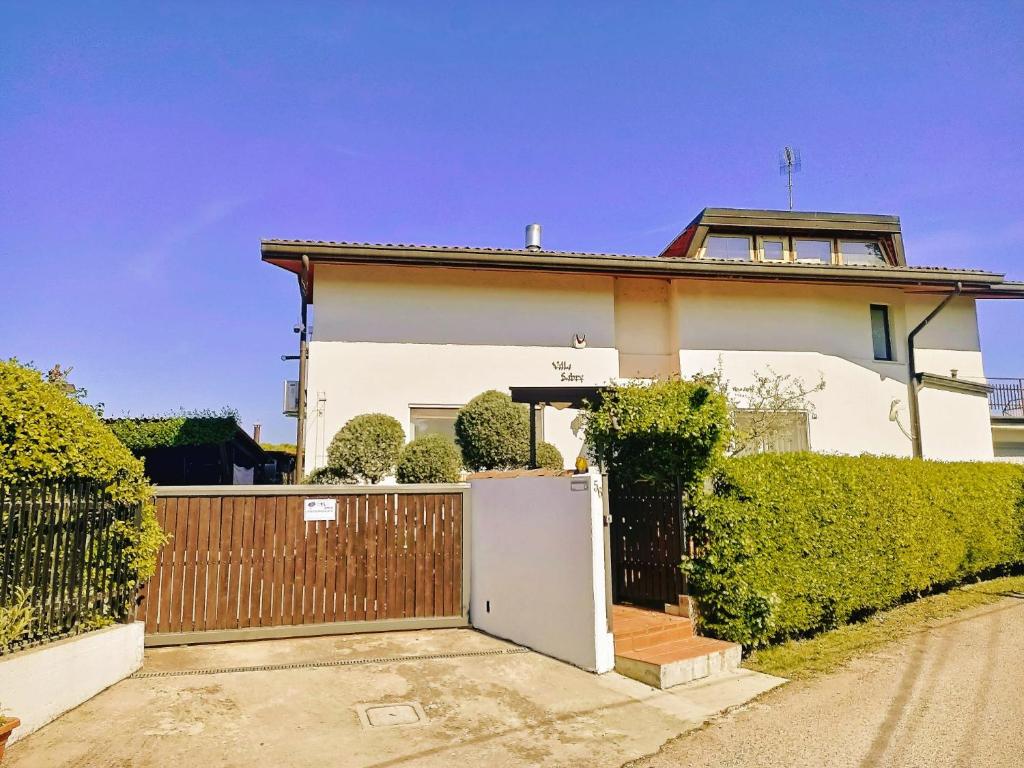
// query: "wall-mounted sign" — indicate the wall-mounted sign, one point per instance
point(319, 509)
point(565, 373)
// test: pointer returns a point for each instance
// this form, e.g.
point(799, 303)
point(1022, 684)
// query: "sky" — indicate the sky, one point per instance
point(145, 148)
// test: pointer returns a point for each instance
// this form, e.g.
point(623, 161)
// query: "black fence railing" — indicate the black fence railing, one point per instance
point(1006, 397)
point(63, 566)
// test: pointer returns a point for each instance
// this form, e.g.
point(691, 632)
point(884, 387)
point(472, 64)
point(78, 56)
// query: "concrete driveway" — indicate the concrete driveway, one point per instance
point(951, 695)
point(474, 700)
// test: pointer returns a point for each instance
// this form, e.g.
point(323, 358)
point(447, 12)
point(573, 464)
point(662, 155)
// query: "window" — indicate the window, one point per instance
point(773, 249)
point(788, 436)
point(880, 338)
point(735, 248)
point(812, 251)
point(433, 420)
point(860, 252)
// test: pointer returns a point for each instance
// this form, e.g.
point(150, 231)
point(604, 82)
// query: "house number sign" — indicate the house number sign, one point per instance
point(319, 509)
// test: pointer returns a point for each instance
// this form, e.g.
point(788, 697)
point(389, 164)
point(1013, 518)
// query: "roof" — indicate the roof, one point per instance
point(676, 261)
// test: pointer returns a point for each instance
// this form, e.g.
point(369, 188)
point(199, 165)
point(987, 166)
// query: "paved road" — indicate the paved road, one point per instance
point(952, 695)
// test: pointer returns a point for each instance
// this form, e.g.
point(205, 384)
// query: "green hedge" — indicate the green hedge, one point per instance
point(429, 459)
point(188, 428)
point(792, 544)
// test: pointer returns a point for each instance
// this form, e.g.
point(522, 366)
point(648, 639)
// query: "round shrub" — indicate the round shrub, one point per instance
point(549, 457)
point(367, 447)
point(47, 434)
point(429, 459)
point(325, 476)
point(493, 432)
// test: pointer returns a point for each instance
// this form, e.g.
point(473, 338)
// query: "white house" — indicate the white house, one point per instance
point(417, 331)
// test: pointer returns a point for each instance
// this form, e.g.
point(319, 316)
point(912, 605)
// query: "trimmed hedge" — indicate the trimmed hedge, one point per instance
point(429, 459)
point(548, 456)
point(186, 428)
point(792, 544)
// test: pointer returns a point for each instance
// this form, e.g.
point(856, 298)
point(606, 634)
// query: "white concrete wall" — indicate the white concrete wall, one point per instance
point(1008, 442)
point(824, 331)
point(954, 426)
point(40, 684)
point(538, 576)
point(387, 338)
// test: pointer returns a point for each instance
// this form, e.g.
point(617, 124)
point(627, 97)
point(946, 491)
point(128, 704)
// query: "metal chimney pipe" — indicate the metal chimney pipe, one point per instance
point(256, 432)
point(533, 237)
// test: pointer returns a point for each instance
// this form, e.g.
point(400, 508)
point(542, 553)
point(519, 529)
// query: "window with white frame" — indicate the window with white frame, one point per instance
point(861, 252)
point(731, 247)
point(433, 420)
point(788, 434)
point(773, 248)
point(813, 251)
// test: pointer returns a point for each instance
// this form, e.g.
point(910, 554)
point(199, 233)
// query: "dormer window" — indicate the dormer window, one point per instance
point(731, 247)
point(813, 251)
point(862, 252)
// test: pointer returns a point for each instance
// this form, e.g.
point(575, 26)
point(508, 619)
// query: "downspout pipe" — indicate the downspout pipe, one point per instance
point(300, 426)
point(915, 413)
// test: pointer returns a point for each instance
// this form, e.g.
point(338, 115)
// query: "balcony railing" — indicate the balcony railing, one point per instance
point(1006, 397)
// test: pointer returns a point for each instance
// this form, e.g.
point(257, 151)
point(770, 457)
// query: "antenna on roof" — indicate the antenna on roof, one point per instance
point(789, 163)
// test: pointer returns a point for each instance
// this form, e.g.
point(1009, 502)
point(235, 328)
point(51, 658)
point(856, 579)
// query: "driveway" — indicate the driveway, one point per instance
point(475, 700)
point(951, 695)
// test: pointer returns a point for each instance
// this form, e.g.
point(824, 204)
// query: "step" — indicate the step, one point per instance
point(654, 635)
point(679, 661)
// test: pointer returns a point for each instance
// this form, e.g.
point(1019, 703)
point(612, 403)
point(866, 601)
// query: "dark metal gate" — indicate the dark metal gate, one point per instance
point(646, 543)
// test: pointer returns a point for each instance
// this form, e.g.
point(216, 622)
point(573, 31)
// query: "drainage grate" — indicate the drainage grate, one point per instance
point(331, 663)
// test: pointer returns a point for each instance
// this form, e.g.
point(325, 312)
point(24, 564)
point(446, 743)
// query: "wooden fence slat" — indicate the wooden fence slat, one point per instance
point(169, 507)
point(330, 569)
point(293, 509)
point(380, 606)
point(280, 537)
point(370, 590)
point(227, 600)
point(308, 589)
point(245, 571)
point(213, 566)
point(267, 564)
point(341, 569)
point(188, 598)
point(300, 569)
point(457, 555)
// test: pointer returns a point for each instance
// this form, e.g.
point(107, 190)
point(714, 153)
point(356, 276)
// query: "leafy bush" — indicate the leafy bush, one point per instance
point(15, 618)
point(429, 459)
point(326, 476)
point(46, 434)
point(367, 447)
point(791, 544)
point(185, 428)
point(660, 431)
point(493, 432)
point(549, 457)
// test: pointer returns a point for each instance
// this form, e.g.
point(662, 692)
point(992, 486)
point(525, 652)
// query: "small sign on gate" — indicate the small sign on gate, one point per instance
point(320, 509)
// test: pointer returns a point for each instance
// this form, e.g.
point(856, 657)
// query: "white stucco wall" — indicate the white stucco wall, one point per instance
point(822, 331)
point(387, 338)
point(954, 425)
point(538, 574)
point(40, 684)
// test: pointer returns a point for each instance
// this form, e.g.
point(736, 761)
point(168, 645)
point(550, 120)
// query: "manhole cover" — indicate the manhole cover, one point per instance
point(390, 715)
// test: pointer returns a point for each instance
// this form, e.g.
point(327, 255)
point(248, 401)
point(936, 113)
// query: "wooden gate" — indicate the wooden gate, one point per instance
point(646, 544)
point(243, 562)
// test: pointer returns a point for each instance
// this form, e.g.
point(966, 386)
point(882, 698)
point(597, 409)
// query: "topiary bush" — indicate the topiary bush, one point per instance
point(549, 457)
point(326, 476)
point(791, 544)
point(429, 459)
point(493, 432)
point(47, 434)
point(367, 447)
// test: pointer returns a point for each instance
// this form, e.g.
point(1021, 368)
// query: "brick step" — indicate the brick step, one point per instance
point(653, 635)
point(679, 661)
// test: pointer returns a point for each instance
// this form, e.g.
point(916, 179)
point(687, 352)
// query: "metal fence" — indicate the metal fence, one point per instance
point(60, 557)
point(1006, 397)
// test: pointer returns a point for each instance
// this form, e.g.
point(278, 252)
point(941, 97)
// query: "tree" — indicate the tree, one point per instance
point(366, 448)
point(493, 432)
point(762, 411)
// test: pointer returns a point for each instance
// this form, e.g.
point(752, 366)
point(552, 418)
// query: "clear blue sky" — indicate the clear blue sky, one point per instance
point(144, 152)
